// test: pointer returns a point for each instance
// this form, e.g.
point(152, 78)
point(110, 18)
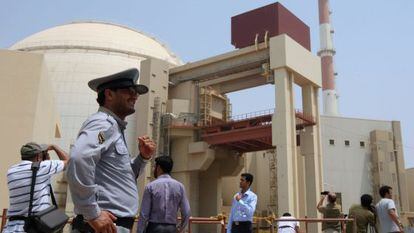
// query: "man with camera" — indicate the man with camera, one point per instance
point(19, 179)
point(330, 210)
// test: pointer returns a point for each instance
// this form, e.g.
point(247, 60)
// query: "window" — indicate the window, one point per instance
point(394, 178)
point(380, 166)
point(331, 142)
point(362, 144)
point(347, 143)
point(391, 156)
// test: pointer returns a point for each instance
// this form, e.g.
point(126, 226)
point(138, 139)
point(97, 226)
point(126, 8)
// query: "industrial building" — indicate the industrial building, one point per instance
point(295, 153)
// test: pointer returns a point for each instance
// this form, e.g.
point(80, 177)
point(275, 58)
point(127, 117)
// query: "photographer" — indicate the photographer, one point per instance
point(331, 210)
point(19, 178)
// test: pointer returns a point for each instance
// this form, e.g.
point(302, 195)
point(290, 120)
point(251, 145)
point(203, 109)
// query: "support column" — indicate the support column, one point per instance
point(284, 138)
point(311, 150)
point(210, 195)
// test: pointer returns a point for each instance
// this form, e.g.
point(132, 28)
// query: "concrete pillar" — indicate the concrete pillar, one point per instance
point(284, 138)
point(302, 184)
point(210, 195)
point(311, 150)
point(400, 167)
point(153, 74)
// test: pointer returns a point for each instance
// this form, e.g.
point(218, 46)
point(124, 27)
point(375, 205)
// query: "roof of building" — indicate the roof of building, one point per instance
point(99, 36)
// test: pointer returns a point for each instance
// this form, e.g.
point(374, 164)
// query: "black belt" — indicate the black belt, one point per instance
point(241, 223)
point(164, 224)
point(281, 227)
point(17, 217)
point(81, 225)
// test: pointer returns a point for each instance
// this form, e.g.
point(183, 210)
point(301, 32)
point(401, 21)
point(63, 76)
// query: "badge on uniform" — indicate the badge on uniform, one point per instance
point(101, 137)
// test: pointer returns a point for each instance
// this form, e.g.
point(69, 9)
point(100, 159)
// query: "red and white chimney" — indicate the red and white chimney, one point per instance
point(326, 52)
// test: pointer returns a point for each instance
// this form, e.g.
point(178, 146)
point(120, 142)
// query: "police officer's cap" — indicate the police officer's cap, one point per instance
point(31, 149)
point(123, 79)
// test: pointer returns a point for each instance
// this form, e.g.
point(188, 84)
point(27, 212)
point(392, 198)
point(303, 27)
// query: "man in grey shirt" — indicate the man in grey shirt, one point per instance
point(101, 175)
point(387, 213)
point(161, 201)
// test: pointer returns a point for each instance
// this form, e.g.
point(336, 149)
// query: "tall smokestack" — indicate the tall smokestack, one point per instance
point(326, 52)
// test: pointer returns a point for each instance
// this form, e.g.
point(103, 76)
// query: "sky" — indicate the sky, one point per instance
point(373, 41)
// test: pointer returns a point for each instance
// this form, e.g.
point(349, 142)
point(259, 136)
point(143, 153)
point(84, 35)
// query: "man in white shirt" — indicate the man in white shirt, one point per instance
point(288, 226)
point(387, 213)
point(19, 180)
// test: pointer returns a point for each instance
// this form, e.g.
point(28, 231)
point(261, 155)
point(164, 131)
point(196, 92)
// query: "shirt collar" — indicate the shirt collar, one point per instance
point(164, 176)
point(122, 124)
point(247, 192)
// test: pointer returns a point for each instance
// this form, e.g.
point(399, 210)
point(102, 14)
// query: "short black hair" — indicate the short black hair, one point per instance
point(384, 190)
point(331, 197)
point(165, 162)
point(366, 201)
point(248, 177)
point(286, 214)
point(101, 98)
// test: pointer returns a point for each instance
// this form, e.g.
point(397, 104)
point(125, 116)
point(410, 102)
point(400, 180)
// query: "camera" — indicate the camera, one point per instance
point(325, 193)
point(44, 155)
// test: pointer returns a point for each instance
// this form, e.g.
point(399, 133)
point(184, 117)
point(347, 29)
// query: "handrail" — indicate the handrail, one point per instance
point(307, 220)
point(221, 219)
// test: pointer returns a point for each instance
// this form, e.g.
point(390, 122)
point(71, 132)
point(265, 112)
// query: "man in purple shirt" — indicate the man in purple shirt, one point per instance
point(161, 201)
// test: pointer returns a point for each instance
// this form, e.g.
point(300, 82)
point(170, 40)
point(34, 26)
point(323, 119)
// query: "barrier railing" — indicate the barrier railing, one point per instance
point(221, 220)
point(198, 220)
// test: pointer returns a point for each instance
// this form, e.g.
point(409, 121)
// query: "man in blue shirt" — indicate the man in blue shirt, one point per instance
point(243, 207)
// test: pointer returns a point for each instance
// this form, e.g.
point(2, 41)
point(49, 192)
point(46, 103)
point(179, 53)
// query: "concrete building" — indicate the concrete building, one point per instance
point(28, 113)
point(359, 156)
point(77, 52)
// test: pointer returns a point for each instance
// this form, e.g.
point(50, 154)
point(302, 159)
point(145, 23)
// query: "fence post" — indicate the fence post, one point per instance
point(306, 225)
point(3, 219)
point(354, 225)
point(223, 226)
point(271, 227)
point(189, 225)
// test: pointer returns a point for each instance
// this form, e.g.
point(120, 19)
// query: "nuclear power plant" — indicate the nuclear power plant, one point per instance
point(294, 154)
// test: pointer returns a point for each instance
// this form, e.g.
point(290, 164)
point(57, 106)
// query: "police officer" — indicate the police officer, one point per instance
point(101, 175)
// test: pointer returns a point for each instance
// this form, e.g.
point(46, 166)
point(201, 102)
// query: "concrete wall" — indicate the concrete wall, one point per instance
point(388, 165)
point(28, 108)
point(410, 187)
point(348, 168)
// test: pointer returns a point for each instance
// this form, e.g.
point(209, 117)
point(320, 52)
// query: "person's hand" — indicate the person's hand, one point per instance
point(401, 227)
point(104, 223)
point(50, 147)
point(146, 147)
point(238, 197)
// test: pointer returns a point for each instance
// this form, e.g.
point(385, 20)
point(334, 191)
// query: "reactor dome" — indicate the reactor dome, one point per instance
point(77, 52)
point(100, 36)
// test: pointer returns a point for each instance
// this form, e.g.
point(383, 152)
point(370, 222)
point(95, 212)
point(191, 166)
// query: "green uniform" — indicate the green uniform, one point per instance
point(331, 211)
point(362, 216)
